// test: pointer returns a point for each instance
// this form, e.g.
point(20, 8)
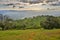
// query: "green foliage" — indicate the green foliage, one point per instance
point(51, 22)
point(38, 22)
point(31, 23)
point(21, 26)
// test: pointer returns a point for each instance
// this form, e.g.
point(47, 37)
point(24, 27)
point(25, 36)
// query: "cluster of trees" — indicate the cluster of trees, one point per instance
point(51, 22)
point(5, 22)
point(38, 22)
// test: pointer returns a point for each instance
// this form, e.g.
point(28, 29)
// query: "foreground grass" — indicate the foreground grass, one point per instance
point(34, 34)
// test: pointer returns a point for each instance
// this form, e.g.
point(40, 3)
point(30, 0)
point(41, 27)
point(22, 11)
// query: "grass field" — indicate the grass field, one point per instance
point(33, 34)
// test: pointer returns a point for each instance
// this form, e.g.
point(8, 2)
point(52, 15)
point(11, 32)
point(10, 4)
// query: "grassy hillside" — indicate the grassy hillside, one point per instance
point(33, 34)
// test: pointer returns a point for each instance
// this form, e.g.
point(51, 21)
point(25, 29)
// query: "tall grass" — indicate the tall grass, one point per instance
point(33, 34)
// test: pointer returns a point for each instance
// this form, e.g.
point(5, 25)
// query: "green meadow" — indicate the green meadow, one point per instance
point(31, 34)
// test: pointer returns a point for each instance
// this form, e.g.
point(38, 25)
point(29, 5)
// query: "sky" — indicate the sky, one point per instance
point(5, 0)
point(18, 0)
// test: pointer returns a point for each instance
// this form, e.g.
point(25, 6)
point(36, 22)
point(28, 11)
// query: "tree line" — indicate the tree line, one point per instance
point(38, 22)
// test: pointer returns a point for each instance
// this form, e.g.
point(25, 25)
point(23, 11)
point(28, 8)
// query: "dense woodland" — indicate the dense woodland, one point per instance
point(38, 22)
